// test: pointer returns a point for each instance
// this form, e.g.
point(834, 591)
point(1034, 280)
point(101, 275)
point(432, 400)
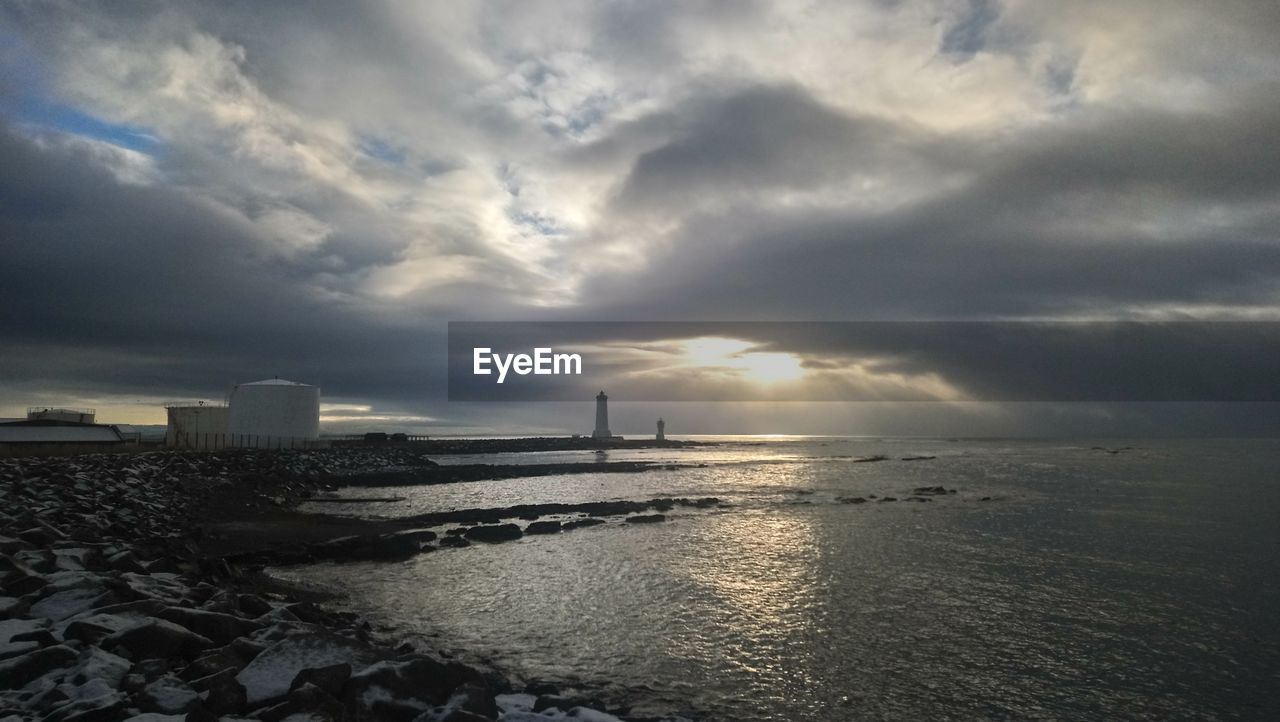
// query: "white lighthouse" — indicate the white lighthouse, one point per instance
point(602, 418)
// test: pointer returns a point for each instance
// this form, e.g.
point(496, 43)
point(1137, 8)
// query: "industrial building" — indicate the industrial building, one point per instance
point(268, 414)
point(49, 413)
point(274, 413)
point(48, 430)
point(195, 424)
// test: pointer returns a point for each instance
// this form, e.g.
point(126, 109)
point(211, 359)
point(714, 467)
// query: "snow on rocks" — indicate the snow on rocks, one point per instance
point(108, 611)
point(268, 677)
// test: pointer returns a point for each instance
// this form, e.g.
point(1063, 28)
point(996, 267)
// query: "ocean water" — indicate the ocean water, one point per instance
point(1142, 584)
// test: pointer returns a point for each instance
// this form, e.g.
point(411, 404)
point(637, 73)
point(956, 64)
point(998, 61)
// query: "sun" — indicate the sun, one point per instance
point(736, 356)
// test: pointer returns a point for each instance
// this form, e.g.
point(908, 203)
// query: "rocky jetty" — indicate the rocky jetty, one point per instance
point(536, 443)
point(112, 609)
point(455, 473)
point(402, 538)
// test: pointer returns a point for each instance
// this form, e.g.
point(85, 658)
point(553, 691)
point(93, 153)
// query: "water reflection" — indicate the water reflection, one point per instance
point(1102, 586)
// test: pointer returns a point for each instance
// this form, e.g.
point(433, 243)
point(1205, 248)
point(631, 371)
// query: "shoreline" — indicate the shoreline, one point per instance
point(134, 584)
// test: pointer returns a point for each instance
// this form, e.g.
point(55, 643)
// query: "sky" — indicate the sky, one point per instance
point(195, 194)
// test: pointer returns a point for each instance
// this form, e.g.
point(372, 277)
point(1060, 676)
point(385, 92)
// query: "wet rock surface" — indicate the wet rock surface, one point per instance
point(112, 607)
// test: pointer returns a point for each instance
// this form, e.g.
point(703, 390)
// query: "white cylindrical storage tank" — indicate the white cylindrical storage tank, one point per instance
point(274, 413)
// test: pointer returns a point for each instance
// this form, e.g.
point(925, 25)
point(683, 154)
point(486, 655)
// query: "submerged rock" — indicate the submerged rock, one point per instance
point(930, 490)
point(646, 518)
point(494, 533)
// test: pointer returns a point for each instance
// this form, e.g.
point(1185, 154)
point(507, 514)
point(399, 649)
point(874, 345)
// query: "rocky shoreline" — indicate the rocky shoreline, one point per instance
point(123, 598)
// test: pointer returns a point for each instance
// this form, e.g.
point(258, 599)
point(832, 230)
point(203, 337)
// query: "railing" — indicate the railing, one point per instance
point(216, 441)
point(63, 409)
point(185, 403)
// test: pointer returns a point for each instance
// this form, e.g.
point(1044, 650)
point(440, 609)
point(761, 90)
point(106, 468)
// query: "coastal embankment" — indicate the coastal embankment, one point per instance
point(133, 589)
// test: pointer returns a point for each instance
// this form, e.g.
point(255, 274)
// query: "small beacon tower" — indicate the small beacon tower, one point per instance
point(662, 430)
point(602, 418)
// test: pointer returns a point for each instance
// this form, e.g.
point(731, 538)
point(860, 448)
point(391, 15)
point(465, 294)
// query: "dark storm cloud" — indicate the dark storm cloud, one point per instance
point(1089, 218)
point(145, 290)
point(758, 140)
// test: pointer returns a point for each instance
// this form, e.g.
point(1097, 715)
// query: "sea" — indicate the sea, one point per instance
point(1055, 579)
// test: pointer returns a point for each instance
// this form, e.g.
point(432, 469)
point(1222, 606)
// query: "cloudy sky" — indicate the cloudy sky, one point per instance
point(194, 194)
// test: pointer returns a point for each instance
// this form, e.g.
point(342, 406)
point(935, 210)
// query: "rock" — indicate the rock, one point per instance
point(308, 702)
point(308, 612)
point(9, 545)
point(645, 518)
point(474, 699)
point(18, 671)
point(20, 584)
point(421, 678)
point(553, 701)
point(580, 523)
point(267, 678)
point(37, 537)
point(97, 664)
point(454, 541)
point(156, 638)
point(41, 637)
point(70, 602)
point(543, 527)
point(93, 700)
point(888, 498)
point(494, 533)
point(220, 692)
point(590, 715)
point(392, 547)
point(140, 608)
point(163, 565)
point(511, 702)
point(96, 627)
point(13, 629)
point(17, 648)
point(395, 690)
point(929, 491)
point(330, 678)
point(448, 714)
point(125, 561)
point(11, 607)
point(213, 662)
point(249, 648)
point(221, 628)
point(168, 695)
point(253, 605)
point(851, 500)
